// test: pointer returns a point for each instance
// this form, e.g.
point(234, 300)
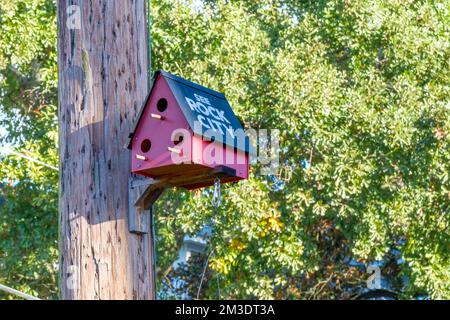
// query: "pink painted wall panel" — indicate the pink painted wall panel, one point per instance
point(213, 154)
point(159, 132)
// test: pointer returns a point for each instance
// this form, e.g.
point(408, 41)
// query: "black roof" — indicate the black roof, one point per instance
point(195, 102)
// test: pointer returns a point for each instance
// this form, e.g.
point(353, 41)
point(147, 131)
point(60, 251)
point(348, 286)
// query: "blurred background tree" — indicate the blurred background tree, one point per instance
point(28, 122)
point(360, 93)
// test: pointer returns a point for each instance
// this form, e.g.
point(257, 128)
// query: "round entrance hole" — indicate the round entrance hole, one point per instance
point(161, 105)
point(146, 145)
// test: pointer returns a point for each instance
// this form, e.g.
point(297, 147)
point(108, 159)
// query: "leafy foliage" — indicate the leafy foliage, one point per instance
point(28, 104)
point(360, 93)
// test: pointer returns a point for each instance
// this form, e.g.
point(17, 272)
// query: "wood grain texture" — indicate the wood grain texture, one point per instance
point(102, 83)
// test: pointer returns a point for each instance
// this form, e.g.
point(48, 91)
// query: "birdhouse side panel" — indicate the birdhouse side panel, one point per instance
point(214, 154)
point(156, 142)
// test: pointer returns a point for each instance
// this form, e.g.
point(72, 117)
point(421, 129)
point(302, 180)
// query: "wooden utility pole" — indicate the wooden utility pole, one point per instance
point(102, 47)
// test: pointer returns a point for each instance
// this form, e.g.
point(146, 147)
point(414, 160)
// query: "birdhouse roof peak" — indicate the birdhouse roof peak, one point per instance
point(207, 111)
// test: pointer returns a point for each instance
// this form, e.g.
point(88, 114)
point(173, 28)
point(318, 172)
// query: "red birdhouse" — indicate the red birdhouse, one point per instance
point(188, 134)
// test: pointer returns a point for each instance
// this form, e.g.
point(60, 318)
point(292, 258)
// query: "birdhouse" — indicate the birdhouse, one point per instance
point(188, 135)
